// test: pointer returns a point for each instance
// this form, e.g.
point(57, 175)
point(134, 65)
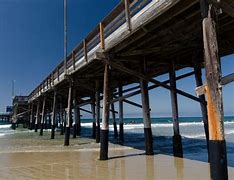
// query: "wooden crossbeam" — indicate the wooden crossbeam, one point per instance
point(150, 87)
point(141, 76)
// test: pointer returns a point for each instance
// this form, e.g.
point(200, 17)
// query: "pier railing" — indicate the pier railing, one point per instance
point(121, 14)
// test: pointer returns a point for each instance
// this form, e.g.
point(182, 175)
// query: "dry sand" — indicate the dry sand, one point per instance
point(33, 157)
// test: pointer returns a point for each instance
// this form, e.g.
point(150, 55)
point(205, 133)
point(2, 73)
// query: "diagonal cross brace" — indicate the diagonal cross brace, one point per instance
point(141, 76)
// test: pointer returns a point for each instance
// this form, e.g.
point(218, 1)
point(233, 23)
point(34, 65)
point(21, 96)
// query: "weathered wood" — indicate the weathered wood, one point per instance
point(177, 142)
point(97, 110)
point(76, 114)
point(114, 121)
point(85, 50)
point(94, 118)
point(121, 119)
point(37, 115)
point(102, 38)
point(43, 116)
point(198, 77)
point(69, 115)
point(31, 117)
point(105, 115)
point(127, 14)
point(218, 155)
point(53, 115)
point(227, 79)
point(146, 118)
point(78, 127)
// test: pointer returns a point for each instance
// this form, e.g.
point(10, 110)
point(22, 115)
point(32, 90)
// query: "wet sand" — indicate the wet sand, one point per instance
point(25, 155)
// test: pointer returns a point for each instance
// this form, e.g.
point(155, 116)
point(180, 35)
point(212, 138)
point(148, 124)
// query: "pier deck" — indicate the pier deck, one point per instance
point(161, 31)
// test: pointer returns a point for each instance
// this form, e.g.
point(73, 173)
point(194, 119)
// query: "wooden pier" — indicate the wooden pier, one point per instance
point(138, 41)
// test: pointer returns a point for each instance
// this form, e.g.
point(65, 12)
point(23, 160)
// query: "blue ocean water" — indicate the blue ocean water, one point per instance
point(191, 129)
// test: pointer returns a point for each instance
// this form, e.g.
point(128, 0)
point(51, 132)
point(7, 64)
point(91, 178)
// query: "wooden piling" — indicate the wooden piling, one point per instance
point(198, 77)
point(31, 117)
point(105, 115)
point(97, 98)
point(213, 90)
point(114, 120)
point(177, 143)
point(37, 115)
point(75, 115)
point(53, 115)
point(61, 117)
point(94, 118)
point(43, 116)
point(121, 120)
point(78, 125)
point(146, 118)
point(69, 116)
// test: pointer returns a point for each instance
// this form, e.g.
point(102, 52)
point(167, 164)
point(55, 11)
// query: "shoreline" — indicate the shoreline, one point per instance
point(26, 155)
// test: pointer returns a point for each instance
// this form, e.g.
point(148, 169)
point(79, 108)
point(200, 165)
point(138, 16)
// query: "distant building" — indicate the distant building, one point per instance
point(20, 109)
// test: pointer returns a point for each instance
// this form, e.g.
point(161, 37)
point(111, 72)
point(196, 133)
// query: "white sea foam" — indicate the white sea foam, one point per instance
point(194, 135)
point(5, 126)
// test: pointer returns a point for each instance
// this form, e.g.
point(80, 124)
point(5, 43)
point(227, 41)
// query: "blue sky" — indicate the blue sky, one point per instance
point(31, 45)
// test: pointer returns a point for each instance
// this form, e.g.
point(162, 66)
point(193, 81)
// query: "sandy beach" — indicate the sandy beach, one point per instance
point(25, 155)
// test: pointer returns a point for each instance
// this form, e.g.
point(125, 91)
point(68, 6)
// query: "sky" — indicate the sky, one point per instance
point(31, 45)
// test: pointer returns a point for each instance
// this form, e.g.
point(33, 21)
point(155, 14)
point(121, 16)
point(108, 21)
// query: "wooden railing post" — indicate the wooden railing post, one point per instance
point(85, 50)
point(74, 60)
point(102, 38)
point(127, 14)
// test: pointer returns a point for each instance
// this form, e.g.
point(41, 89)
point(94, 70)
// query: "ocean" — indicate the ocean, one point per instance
point(191, 129)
